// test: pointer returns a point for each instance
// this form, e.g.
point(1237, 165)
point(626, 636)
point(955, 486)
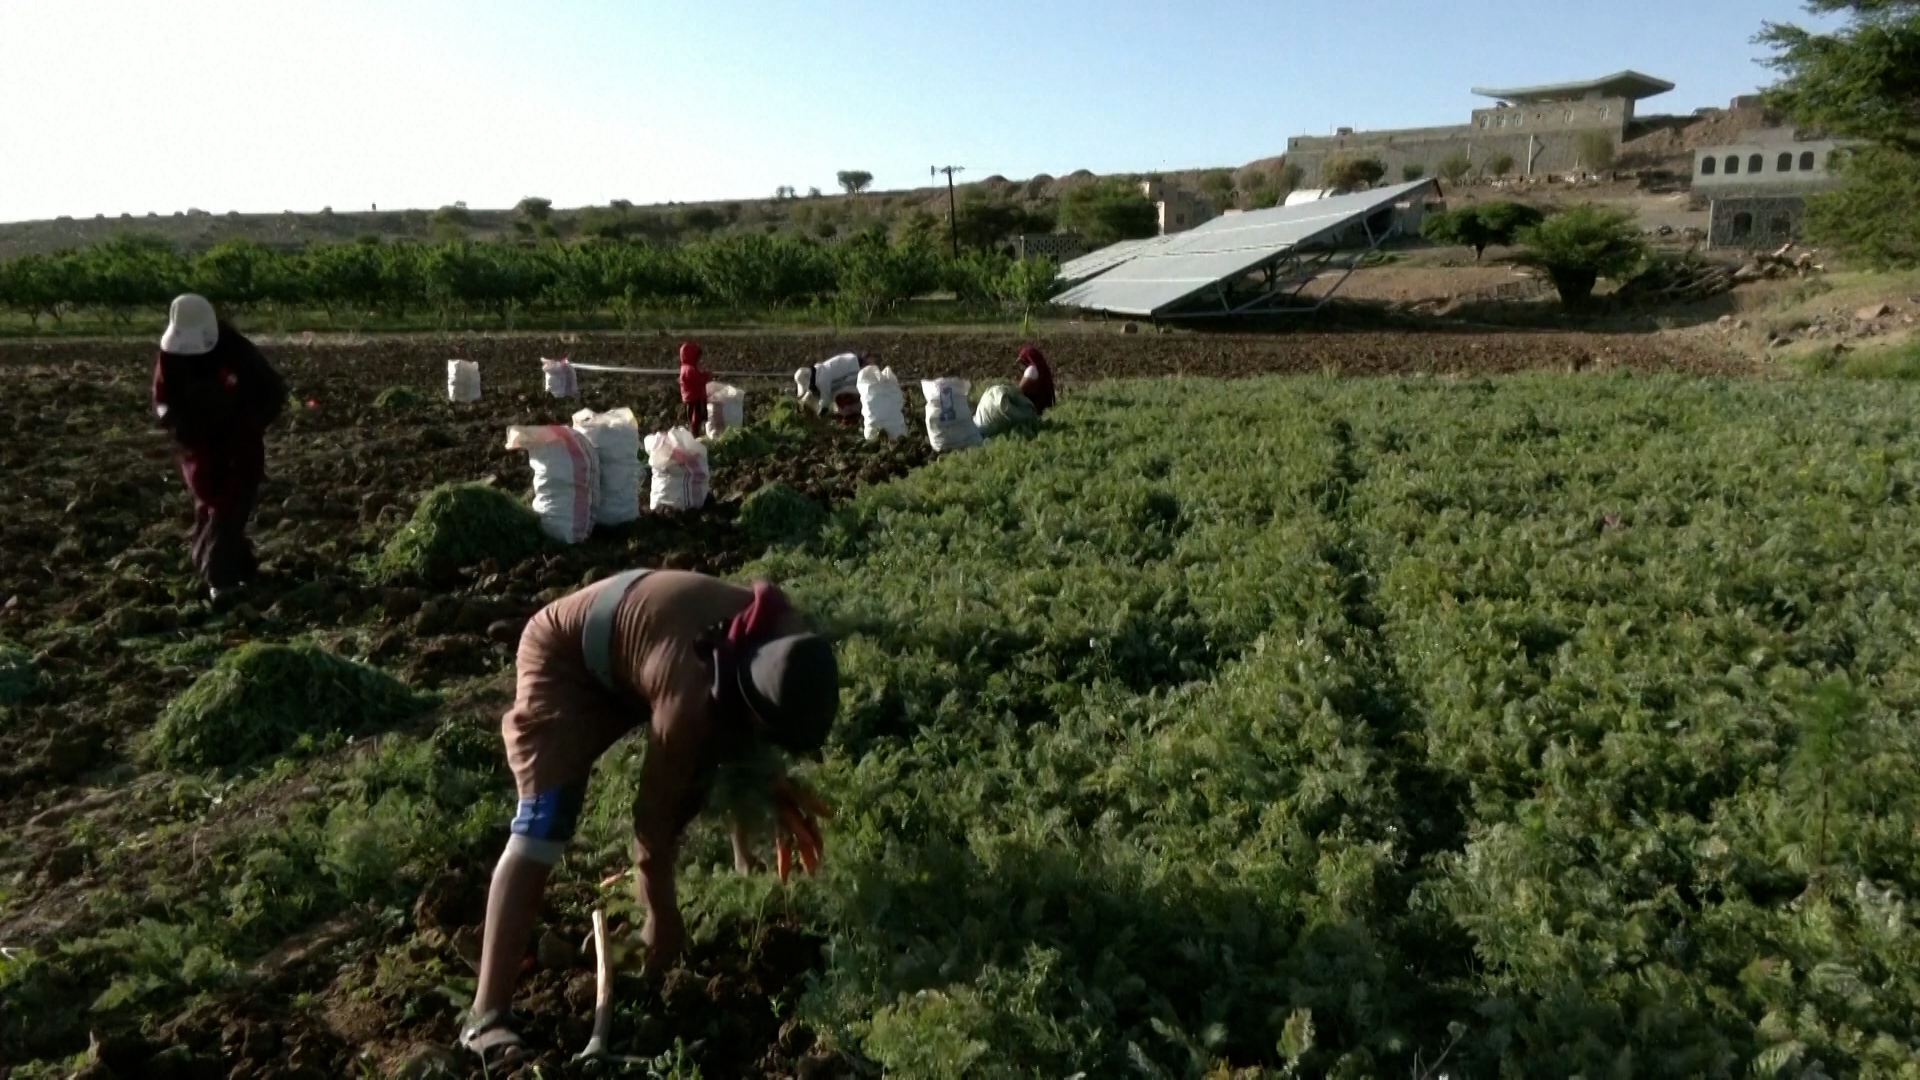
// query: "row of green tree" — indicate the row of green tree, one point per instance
point(459, 281)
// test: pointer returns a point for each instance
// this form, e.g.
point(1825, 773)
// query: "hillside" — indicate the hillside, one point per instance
point(1663, 146)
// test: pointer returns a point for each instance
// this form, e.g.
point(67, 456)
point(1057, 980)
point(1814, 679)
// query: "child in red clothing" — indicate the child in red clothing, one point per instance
point(693, 386)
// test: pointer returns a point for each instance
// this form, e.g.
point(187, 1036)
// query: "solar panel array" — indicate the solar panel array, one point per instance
point(1147, 277)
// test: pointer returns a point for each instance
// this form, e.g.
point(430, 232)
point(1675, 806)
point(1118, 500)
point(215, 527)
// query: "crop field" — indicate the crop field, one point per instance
point(1544, 724)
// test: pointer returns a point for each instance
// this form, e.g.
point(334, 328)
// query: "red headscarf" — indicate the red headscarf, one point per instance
point(693, 381)
point(1037, 386)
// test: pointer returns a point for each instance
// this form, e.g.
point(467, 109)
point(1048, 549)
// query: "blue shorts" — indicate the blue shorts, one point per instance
point(551, 815)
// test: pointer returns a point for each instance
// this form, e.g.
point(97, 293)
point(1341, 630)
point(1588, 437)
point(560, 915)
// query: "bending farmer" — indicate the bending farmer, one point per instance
point(709, 670)
point(217, 395)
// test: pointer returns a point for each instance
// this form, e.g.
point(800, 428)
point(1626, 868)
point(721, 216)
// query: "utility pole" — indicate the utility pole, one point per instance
point(953, 215)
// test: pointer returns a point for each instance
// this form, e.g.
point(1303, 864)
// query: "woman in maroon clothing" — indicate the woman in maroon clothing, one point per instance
point(1036, 379)
point(217, 395)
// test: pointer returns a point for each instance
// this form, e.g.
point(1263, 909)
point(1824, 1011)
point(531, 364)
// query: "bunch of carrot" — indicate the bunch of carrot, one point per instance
point(797, 814)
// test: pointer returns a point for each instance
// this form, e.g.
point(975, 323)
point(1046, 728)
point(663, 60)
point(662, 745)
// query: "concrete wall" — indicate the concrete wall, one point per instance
point(1549, 134)
point(1747, 221)
point(1732, 166)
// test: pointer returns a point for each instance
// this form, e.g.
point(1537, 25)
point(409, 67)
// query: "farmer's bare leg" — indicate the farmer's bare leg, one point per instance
point(513, 907)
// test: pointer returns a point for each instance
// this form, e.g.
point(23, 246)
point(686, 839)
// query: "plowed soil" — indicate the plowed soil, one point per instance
point(93, 570)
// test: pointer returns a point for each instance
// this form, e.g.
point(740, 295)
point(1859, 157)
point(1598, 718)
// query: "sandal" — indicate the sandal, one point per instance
point(492, 1037)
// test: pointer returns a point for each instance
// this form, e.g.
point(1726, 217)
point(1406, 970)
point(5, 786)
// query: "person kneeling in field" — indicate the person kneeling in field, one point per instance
point(1036, 379)
point(217, 396)
point(712, 672)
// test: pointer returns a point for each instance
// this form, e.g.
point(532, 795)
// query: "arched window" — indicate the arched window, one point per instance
point(1806, 161)
point(1780, 226)
point(1756, 164)
point(1733, 164)
point(1786, 162)
point(1742, 225)
point(1709, 165)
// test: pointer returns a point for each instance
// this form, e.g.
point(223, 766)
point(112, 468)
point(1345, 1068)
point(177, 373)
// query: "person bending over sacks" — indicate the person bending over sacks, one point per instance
point(835, 383)
point(215, 393)
point(711, 672)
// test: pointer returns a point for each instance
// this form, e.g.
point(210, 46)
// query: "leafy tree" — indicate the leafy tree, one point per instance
point(1494, 224)
point(1217, 184)
point(1860, 82)
point(1596, 151)
point(1289, 178)
point(983, 221)
point(854, 181)
point(701, 219)
point(1262, 198)
point(1412, 171)
point(238, 274)
point(455, 215)
point(534, 208)
point(1108, 211)
point(1582, 245)
point(1455, 167)
point(1500, 164)
point(813, 193)
point(1352, 173)
point(36, 285)
point(1874, 216)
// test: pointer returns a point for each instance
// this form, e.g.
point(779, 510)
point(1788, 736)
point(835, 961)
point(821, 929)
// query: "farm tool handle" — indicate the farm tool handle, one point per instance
point(596, 1050)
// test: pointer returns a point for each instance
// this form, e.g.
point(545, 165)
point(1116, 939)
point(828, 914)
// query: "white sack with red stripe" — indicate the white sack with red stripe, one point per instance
point(679, 463)
point(615, 435)
point(566, 478)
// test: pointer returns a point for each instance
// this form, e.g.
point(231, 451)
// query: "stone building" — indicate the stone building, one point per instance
point(1179, 210)
point(1542, 129)
point(1756, 189)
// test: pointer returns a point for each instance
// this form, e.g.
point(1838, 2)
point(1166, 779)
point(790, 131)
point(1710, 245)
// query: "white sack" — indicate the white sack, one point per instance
point(950, 423)
point(837, 376)
point(726, 408)
point(679, 463)
point(615, 437)
point(562, 381)
point(565, 478)
point(1001, 409)
point(463, 380)
point(882, 404)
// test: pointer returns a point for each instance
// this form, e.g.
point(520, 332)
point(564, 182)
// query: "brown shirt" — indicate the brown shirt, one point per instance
point(563, 719)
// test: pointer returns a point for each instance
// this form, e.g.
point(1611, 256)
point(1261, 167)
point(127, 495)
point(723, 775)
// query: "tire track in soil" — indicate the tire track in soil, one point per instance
point(1430, 806)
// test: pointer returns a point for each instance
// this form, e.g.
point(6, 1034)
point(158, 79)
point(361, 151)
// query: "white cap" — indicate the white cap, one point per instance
point(192, 328)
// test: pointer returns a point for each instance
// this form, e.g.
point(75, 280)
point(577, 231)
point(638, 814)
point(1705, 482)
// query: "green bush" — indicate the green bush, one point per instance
point(779, 514)
point(1351, 173)
point(17, 676)
point(737, 445)
point(399, 397)
point(260, 701)
point(1455, 167)
point(460, 525)
point(1480, 227)
point(1107, 211)
point(1582, 245)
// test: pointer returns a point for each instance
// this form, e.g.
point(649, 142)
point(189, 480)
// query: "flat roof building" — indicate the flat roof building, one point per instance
point(1627, 85)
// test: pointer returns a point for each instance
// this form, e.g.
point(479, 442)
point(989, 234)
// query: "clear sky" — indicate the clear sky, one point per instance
point(111, 106)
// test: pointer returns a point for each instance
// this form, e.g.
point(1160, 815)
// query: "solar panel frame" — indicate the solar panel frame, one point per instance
point(1152, 279)
point(1099, 262)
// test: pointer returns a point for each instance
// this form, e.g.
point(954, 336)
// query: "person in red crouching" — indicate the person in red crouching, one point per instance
point(217, 396)
point(693, 386)
point(1036, 379)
